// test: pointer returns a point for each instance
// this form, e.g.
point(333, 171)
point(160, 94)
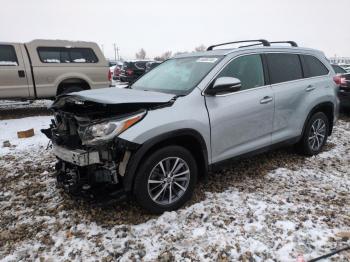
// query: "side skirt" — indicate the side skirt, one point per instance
point(224, 163)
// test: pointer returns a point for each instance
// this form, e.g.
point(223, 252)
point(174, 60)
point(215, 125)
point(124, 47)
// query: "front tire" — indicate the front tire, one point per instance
point(166, 179)
point(315, 134)
point(71, 89)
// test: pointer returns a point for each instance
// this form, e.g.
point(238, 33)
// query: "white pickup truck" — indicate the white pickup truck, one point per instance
point(46, 68)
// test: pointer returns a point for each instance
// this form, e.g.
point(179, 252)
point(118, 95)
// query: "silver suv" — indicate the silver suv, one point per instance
point(188, 115)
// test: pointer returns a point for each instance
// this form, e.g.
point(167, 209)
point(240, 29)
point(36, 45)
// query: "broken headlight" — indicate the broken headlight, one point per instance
point(106, 131)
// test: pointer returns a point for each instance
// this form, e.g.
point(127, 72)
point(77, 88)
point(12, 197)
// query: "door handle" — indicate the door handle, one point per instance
point(21, 73)
point(266, 99)
point(309, 88)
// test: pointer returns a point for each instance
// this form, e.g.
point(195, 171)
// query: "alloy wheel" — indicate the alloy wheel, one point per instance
point(168, 180)
point(317, 134)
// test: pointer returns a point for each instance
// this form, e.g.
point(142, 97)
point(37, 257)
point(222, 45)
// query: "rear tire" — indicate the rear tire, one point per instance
point(166, 179)
point(315, 135)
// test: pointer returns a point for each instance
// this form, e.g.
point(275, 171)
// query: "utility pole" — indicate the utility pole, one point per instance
point(103, 49)
point(116, 51)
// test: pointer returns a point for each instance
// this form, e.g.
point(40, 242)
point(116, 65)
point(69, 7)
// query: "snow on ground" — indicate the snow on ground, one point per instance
point(268, 208)
point(9, 129)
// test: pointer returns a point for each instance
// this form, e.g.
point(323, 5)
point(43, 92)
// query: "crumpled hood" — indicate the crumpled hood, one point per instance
point(105, 102)
point(121, 96)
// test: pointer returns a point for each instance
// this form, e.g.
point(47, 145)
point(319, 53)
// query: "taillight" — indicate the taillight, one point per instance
point(129, 72)
point(337, 80)
point(109, 75)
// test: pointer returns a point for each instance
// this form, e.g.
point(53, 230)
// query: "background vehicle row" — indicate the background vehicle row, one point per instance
point(344, 86)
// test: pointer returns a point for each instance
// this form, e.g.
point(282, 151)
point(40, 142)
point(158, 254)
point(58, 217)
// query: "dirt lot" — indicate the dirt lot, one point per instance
point(272, 207)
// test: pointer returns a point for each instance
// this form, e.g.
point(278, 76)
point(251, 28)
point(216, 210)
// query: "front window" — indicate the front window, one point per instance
point(248, 69)
point(8, 56)
point(177, 76)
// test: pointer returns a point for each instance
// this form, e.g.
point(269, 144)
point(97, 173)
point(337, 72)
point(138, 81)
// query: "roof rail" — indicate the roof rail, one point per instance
point(250, 45)
point(262, 41)
point(292, 43)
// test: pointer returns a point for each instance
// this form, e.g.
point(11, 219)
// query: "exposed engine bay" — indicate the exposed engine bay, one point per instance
point(90, 156)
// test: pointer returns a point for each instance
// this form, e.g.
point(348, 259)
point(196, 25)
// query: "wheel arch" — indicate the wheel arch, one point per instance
point(72, 81)
point(190, 139)
point(328, 109)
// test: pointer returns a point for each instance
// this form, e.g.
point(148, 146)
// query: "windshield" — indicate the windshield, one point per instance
point(177, 76)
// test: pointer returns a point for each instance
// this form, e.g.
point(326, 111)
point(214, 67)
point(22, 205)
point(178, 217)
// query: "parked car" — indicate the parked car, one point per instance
point(132, 70)
point(189, 115)
point(151, 65)
point(46, 68)
point(117, 71)
point(112, 65)
point(344, 89)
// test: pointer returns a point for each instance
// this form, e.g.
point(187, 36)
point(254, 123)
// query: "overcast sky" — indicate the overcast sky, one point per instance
point(178, 25)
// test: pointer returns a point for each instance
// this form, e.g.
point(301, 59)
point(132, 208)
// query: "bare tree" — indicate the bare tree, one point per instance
point(141, 54)
point(200, 48)
point(180, 53)
point(158, 58)
point(164, 56)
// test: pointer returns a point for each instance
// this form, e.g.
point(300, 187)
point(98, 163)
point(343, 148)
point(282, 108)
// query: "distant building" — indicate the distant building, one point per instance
point(340, 60)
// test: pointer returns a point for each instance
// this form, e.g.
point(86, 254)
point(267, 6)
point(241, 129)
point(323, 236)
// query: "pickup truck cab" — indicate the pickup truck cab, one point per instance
point(46, 68)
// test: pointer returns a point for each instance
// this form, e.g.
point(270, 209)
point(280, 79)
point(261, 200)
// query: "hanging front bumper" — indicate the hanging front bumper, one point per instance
point(77, 157)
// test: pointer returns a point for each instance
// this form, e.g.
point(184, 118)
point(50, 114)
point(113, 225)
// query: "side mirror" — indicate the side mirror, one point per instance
point(224, 85)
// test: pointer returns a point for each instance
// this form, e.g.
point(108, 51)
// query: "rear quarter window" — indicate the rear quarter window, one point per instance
point(313, 66)
point(284, 67)
point(338, 69)
point(66, 55)
point(8, 56)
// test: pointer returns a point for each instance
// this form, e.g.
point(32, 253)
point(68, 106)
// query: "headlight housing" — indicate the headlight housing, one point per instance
point(106, 131)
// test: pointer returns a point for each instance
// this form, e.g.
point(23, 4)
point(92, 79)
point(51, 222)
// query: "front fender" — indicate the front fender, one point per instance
point(138, 155)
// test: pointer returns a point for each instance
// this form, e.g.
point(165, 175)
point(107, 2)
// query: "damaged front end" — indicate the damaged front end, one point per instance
point(91, 158)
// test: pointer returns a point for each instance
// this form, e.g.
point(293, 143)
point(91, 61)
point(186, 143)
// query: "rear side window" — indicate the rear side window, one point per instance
point(8, 56)
point(248, 69)
point(284, 67)
point(66, 55)
point(313, 67)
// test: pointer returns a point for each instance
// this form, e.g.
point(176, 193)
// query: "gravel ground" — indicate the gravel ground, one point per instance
point(267, 208)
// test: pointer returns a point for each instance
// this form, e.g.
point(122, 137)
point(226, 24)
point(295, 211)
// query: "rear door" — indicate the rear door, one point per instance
point(242, 121)
point(13, 77)
point(292, 93)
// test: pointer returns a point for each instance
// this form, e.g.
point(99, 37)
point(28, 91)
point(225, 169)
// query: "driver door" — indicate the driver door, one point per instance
point(242, 121)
